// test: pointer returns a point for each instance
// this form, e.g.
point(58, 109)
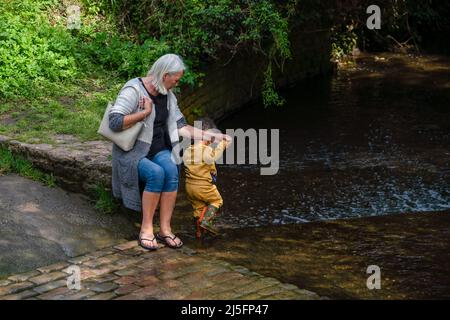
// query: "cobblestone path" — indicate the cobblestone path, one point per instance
point(126, 271)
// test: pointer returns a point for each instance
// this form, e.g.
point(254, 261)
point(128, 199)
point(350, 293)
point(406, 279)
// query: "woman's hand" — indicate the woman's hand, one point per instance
point(146, 104)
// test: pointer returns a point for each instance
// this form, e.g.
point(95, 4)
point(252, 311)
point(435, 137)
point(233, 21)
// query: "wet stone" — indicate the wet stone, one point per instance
point(79, 260)
point(4, 283)
point(103, 296)
point(131, 296)
point(170, 284)
point(100, 253)
point(78, 295)
point(128, 261)
point(20, 295)
point(126, 289)
point(251, 296)
point(23, 276)
point(252, 287)
point(240, 269)
point(171, 275)
point(150, 292)
point(198, 295)
point(126, 245)
point(55, 294)
point(216, 271)
point(132, 252)
point(15, 287)
point(148, 281)
point(270, 291)
point(126, 280)
point(106, 278)
point(87, 273)
point(50, 286)
point(306, 293)
point(228, 295)
point(127, 271)
point(53, 267)
point(103, 287)
point(226, 276)
point(188, 251)
point(235, 284)
point(47, 277)
point(288, 286)
point(102, 260)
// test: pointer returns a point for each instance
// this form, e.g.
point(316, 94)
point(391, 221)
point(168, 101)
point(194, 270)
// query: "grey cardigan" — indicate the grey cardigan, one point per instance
point(125, 178)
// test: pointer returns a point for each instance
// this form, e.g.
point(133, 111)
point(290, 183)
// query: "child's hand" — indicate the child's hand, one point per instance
point(227, 138)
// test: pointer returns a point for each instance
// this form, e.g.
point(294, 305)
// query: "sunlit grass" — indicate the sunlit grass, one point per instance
point(10, 163)
point(105, 202)
point(74, 108)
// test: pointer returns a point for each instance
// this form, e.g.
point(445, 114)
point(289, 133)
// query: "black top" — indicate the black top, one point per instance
point(161, 138)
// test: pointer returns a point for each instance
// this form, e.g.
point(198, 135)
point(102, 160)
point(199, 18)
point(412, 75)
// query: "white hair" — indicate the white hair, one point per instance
point(169, 63)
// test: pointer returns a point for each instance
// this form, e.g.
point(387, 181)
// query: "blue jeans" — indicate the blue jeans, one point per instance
point(160, 174)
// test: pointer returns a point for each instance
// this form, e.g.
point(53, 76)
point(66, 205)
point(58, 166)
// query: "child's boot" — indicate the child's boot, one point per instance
point(206, 220)
point(198, 220)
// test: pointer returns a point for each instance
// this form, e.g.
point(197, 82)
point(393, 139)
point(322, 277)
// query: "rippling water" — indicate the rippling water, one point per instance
point(371, 140)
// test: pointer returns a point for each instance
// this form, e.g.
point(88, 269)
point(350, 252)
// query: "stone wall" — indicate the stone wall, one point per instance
point(77, 166)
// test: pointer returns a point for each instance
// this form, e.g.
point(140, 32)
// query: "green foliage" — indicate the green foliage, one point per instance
point(104, 201)
point(31, 50)
point(39, 55)
point(10, 163)
point(198, 111)
point(37, 50)
point(269, 95)
point(212, 29)
point(122, 56)
point(343, 41)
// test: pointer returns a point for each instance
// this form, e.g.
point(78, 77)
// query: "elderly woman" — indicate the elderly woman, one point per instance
point(150, 164)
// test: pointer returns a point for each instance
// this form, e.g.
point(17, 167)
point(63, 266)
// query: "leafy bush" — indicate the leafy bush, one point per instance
point(343, 40)
point(31, 50)
point(212, 29)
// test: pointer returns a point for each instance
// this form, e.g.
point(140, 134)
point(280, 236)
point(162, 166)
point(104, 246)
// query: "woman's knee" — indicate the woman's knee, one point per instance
point(171, 171)
point(171, 178)
point(152, 174)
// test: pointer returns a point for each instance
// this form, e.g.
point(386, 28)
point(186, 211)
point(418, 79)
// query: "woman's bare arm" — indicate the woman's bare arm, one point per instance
point(191, 132)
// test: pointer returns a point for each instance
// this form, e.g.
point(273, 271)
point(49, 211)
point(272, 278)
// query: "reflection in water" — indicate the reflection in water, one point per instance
point(371, 140)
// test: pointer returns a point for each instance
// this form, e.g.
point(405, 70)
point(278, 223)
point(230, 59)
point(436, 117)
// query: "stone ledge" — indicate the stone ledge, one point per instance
point(77, 166)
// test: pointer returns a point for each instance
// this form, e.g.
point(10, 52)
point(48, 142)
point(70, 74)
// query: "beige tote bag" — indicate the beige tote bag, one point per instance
point(124, 139)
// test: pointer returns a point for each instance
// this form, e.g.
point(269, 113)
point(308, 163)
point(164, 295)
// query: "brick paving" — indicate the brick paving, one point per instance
point(127, 271)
